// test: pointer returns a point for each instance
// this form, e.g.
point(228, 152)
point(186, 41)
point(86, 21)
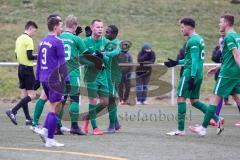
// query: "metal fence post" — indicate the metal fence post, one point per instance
point(173, 88)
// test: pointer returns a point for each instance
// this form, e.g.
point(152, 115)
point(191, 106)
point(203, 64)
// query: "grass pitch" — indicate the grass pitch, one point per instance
point(142, 137)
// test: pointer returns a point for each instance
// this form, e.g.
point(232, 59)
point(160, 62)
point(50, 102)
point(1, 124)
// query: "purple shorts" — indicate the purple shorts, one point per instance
point(54, 92)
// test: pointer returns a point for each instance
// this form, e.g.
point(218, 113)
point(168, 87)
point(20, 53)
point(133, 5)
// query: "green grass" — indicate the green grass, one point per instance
point(154, 21)
point(8, 81)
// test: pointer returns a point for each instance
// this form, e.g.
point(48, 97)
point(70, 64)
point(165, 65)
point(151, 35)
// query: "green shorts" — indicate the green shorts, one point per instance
point(226, 86)
point(182, 90)
point(75, 85)
point(97, 88)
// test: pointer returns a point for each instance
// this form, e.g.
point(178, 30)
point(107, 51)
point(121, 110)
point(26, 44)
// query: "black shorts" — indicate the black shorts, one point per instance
point(26, 77)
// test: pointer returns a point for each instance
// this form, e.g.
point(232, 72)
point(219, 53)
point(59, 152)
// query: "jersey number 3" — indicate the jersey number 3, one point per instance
point(44, 56)
point(67, 49)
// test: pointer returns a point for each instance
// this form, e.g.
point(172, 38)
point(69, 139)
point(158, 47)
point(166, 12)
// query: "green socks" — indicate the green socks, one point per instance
point(208, 115)
point(38, 111)
point(203, 107)
point(200, 106)
point(92, 115)
point(181, 115)
point(112, 109)
point(74, 111)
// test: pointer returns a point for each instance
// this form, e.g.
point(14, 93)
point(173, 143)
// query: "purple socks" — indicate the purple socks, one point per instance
point(51, 124)
point(219, 107)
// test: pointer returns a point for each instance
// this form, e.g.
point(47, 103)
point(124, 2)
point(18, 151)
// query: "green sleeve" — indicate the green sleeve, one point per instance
point(194, 64)
point(194, 50)
point(116, 51)
point(182, 61)
point(230, 42)
point(82, 48)
point(106, 59)
point(113, 53)
point(81, 45)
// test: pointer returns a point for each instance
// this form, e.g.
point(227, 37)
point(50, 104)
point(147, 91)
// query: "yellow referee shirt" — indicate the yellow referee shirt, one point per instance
point(24, 43)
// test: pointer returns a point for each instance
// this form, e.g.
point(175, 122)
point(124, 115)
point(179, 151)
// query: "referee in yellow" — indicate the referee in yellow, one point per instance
point(24, 52)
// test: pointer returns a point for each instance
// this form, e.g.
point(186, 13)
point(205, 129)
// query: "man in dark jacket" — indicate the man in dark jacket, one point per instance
point(143, 73)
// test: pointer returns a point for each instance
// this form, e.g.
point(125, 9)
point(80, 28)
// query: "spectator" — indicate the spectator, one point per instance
point(125, 84)
point(143, 73)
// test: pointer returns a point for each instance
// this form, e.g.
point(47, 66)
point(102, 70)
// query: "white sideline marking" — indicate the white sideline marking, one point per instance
point(63, 152)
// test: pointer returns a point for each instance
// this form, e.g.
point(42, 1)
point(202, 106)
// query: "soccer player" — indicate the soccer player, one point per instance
point(52, 73)
point(24, 52)
point(216, 57)
point(41, 102)
point(113, 76)
point(190, 82)
point(74, 48)
point(95, 80)
point(228, 81)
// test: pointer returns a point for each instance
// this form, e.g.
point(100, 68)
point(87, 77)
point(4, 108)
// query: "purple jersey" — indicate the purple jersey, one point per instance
point(51, 60)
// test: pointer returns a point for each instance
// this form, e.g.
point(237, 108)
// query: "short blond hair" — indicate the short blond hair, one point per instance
point(71, 21)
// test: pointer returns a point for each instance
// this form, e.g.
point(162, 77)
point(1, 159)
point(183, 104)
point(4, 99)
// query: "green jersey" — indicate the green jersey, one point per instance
point(94, 45)
point(74, 47)
point(194, 55)
point(112, 67)
point(229, 68)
